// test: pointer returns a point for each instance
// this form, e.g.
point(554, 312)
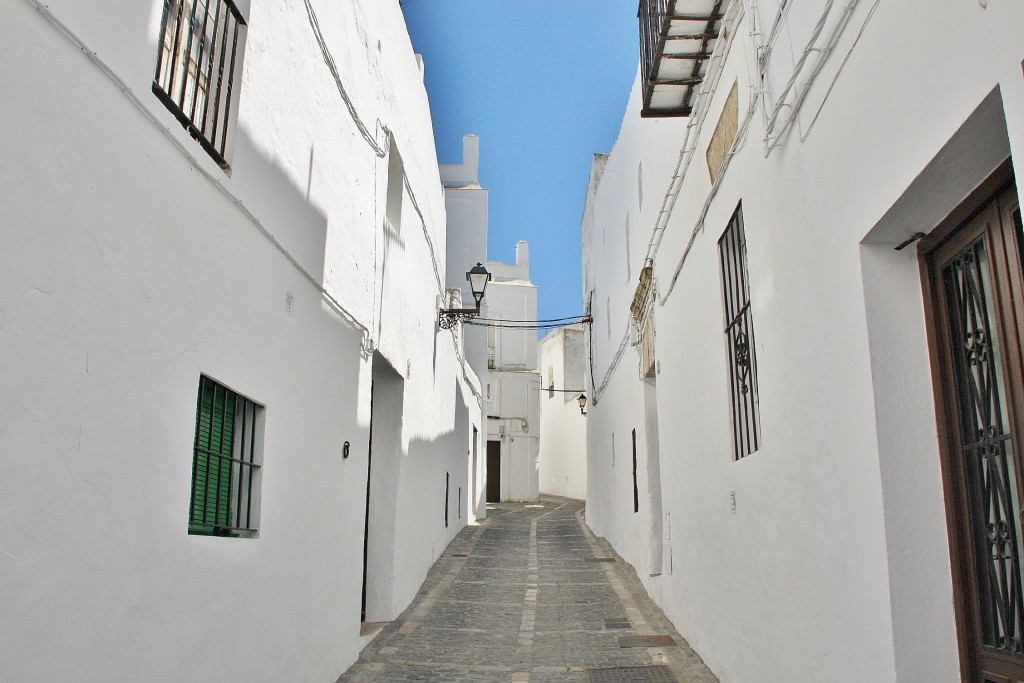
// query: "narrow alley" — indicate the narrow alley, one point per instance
point(530, 594)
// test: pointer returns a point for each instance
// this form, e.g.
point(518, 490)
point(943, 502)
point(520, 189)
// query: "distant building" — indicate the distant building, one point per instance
point(231, 430)
point(563, 429)
point(466, 208)
point(803, 259)
point(513, 388)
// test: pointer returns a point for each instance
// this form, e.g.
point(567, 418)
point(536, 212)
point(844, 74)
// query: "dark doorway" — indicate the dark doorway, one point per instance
point(975, 284)
point(474, 474)
point(366, 518)
point(493, 471)
point(383, 472)
point(636, 490)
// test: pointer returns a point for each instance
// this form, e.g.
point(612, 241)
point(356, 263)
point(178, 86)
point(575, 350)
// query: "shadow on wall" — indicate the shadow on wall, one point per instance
point(418, 497)
point(280, 204)
point(284, 210)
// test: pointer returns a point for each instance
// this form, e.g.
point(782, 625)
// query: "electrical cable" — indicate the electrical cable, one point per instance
point(332, 67)
point(842, 66)
point(581, 318)
point(379, 151)
point(549, 326)
point(127, 91)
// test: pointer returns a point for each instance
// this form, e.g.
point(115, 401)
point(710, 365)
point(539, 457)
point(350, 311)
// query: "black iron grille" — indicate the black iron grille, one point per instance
point(652, 15)
point(196, 64)
point(988, 447)
point(739, 336)
point(223, 462)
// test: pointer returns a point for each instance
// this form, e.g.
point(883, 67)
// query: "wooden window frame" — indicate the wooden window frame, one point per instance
point(944, 238)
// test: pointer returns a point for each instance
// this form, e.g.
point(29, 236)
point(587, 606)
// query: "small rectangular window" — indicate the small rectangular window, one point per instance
point(739, 338)
point(225, 471)
point(197, 63)
point(396, 188)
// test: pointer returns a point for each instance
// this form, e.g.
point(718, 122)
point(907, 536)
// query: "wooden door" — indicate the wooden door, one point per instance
point(976, 315)
point(493, 471)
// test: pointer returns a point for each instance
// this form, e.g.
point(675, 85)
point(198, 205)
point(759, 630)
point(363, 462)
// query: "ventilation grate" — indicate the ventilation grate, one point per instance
point(633, 674)
point(646, 641)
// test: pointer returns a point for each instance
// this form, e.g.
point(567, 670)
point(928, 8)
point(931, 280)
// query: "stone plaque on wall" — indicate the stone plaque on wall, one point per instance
point(647, 348)
point(725, 133)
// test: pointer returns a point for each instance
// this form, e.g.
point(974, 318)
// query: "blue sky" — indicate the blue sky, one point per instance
point(544, 83)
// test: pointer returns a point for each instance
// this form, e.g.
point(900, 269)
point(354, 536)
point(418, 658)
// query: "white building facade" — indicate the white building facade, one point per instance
point(512, 390)
point(226, 397)
point(563, 426)
point(804, 422)
point(466, 208)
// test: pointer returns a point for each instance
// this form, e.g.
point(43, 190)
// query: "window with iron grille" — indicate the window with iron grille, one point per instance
point(225, 471)
point(200, 55)
point(739, 338)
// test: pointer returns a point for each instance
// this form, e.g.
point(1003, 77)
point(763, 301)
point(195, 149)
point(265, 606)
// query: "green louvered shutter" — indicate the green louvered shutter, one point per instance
point(211, 463)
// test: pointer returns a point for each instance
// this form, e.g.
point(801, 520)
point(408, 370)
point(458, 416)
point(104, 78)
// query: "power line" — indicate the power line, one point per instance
point(577, 318)
point(527, 324)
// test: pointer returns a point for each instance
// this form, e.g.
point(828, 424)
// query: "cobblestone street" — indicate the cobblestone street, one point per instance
point(530, 595)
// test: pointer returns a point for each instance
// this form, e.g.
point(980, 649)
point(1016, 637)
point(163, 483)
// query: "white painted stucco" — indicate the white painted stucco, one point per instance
point(563, 429)
point(512, 389)
point(823, 555)
point(132, 263)
point(466, 208)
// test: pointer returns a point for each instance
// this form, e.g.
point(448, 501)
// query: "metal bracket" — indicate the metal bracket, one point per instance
point(447, 318)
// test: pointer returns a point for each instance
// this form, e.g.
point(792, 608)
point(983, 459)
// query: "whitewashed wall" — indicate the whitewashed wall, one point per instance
point(513, 410)
point(824, 554)
point(466, 207)
point(563, 430)
point(132, 263)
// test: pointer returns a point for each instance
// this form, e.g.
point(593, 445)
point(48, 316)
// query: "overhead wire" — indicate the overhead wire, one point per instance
point(127, 91)
point(577, 318)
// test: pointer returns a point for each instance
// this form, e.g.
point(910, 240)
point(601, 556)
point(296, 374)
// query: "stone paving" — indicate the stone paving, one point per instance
point(528, 595)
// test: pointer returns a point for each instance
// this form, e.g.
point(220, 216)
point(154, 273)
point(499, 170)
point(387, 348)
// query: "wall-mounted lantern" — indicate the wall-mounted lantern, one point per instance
point(478, 278)
point(583, 403)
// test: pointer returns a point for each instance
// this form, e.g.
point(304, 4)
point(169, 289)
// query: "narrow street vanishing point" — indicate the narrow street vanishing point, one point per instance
point(530, 595)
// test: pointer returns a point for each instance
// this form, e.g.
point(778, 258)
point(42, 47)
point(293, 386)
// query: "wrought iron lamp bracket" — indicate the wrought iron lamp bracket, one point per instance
point(447, 318)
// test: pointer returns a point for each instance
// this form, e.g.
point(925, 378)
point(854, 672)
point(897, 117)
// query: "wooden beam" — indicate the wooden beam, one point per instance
point(695, 17)
point(694, 36)
point(694, 80)
point(688, 55)
point(664, 113)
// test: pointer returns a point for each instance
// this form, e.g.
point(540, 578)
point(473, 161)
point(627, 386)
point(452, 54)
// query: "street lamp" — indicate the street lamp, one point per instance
point(583, 403)
point(478, 278)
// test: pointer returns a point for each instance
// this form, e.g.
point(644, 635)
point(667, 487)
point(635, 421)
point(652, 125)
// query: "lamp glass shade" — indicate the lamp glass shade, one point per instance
point(583, 401)
point(478, 278)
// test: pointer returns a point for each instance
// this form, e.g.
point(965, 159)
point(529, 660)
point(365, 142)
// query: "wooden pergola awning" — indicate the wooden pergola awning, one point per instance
point(676, 41)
